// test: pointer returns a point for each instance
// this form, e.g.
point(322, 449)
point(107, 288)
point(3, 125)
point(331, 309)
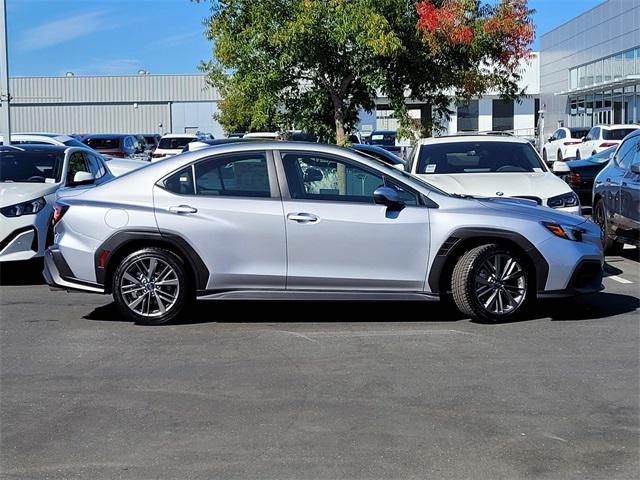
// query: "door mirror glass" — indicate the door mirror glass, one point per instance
point(389, 197)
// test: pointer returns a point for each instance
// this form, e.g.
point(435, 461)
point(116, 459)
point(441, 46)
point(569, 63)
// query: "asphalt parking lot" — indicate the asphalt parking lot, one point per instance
point(376, 390)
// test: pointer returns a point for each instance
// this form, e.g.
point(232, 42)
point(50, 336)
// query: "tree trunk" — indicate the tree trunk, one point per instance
point(426, 120)
point(341, 137)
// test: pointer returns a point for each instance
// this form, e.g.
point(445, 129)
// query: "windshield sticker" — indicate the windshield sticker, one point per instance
point(49, 180)
point(537, 169)
point(430, 168)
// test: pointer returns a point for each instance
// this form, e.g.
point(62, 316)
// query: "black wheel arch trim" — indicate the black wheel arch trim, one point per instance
point(451, 246)
point(122, 238)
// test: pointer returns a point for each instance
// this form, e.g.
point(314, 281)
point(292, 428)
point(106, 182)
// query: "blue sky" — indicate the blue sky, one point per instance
point(120, 37)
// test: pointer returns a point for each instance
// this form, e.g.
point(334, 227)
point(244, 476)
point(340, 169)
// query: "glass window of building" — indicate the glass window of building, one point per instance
point(502, 115)
point(581, 76)
point(606, 69)
point(589, 74)
point(573, 78)
point(468, 117)
point(629, 62)
point(618, 66)
point(598, 72)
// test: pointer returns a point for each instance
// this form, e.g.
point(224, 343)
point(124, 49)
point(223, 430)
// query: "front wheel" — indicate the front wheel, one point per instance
point(150, 286)
point(491, 284)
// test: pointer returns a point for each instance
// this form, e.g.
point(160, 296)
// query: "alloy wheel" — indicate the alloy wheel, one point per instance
point(500, 284)
point(150, 287)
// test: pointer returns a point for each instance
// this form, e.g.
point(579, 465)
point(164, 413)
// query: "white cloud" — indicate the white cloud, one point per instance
point(180, 39)
point(65, 30)
point(119, 66)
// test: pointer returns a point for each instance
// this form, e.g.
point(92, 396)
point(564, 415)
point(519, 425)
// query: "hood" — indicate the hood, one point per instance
point(120, 166)
point(12, 193)
point(587, 162)
point(530, 209)
point(541, 185)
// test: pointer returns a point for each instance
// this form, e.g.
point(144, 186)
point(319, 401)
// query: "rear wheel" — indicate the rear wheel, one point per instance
point(577, 154)
point(151, 287)
point(491, 284)
point(544, 156)
point(610, 246)
point(560, 159)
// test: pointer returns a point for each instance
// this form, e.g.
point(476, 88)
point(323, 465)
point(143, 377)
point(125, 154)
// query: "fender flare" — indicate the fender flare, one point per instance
point(452, 244)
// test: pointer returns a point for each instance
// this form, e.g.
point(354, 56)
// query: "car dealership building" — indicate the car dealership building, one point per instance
point(590, 68)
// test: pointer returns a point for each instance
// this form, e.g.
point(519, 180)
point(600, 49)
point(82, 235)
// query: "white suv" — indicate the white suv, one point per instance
point(172, 144)
point(602, 137)
point(491, 166)
point(563, 143)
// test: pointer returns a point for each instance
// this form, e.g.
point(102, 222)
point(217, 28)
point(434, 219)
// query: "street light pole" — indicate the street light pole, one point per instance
point(5, 96)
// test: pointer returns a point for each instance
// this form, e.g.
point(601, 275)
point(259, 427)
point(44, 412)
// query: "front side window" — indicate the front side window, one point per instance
point(560, 134)
point(315, 177)
point(478, 157)
point(241, 175)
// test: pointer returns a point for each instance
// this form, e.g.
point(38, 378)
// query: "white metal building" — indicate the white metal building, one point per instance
point(123, 104)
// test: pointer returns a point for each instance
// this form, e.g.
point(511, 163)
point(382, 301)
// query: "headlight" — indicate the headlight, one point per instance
point(565, 231)
point(24, 208)
point(565, 200)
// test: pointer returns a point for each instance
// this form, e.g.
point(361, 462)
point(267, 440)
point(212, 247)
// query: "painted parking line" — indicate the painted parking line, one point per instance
point(619, 279)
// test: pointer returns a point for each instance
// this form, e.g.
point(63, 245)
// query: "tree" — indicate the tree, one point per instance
point(314, 64)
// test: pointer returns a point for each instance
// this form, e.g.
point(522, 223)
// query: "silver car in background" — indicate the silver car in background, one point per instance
point(310, 221)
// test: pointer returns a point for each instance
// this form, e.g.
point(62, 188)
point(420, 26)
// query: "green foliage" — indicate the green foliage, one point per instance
point(314, 64)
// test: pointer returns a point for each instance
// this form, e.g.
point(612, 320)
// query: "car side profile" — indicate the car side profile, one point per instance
point(602, 137)
point(310, 221)
point(563, 143)
point(616, 196)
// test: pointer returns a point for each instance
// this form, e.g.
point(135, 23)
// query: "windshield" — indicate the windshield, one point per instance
point(386, 157)
point(478, 157)
point(579, 133)
point(103, 143)
point(150, 140)
point(174, 143)
point(383, 138)
point(617, 134)
point(30, 166)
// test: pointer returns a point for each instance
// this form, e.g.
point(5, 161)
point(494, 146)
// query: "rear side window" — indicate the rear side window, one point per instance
point(181, 182)
point(241, 175)
point(626, 153)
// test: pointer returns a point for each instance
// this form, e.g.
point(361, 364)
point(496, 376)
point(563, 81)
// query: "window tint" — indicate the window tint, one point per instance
point(181, 182)
point(242, 175)
point(617, 134)
point(560, 134)
point(478, 157)
point(316, 177)
point(96, 165)
point(626, 153)
point(77, 163)
point(174, 143)
point(408, 197)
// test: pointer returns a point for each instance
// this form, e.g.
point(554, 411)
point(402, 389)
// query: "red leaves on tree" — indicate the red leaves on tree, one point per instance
point(505, 30)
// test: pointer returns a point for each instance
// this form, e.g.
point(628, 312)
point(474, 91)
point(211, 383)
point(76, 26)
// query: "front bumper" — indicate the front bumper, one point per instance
point(586, 278)
point(20, 244)
point(57, 274)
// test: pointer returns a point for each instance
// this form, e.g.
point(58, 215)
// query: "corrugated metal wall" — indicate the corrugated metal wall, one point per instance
point(139, 88)
point(129, 104)
point(146, 118)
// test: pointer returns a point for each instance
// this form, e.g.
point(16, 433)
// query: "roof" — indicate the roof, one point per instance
point(107, 135)
point(180, 135)
point(618, 127)
point(37, 148)
point(472, 138)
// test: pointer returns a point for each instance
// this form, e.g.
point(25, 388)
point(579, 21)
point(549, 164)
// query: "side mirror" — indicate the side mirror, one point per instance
point(389, 197)
point(635, 168)
point(583, 139)
point(560, 167)
point(312, 175)
point(550, 139)
point(83, 178)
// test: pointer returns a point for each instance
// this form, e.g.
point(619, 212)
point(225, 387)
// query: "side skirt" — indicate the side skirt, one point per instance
point(323, 295)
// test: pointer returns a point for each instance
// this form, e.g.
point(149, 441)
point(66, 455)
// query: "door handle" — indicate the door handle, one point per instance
point(303, 217)
point(182, 209)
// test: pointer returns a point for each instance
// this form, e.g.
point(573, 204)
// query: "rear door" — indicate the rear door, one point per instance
point(228, 208)
point(616, 173)
point(630, 190)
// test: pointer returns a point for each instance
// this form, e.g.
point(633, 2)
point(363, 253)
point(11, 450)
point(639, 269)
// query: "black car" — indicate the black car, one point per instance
point(582, 173)
point(152, 140)
point(114, 145)
point(379, 153)
point(385, 139)
point(616, 196)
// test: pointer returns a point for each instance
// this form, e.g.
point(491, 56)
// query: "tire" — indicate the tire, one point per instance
point(560, 159)
point(544, 156)
point(577, 154)
point(610, 246)
point(476, 291)
point(140, 297)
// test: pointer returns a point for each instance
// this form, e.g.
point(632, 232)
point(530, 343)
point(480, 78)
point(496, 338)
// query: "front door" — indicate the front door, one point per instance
point(228, 208)
point(339, 239)
point(630, 190)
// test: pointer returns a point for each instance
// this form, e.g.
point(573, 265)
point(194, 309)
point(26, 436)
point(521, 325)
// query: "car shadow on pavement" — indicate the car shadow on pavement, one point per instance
point(28, 272)
point(593, 307)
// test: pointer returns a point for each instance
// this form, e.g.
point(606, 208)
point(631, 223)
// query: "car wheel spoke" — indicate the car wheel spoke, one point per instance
point(500, 284)
point(150, 287)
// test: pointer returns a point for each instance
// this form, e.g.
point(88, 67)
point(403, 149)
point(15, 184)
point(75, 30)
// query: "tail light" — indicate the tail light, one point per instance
point(607, 144)
point(572, 143)
point(574, 179)
point(58, 212)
